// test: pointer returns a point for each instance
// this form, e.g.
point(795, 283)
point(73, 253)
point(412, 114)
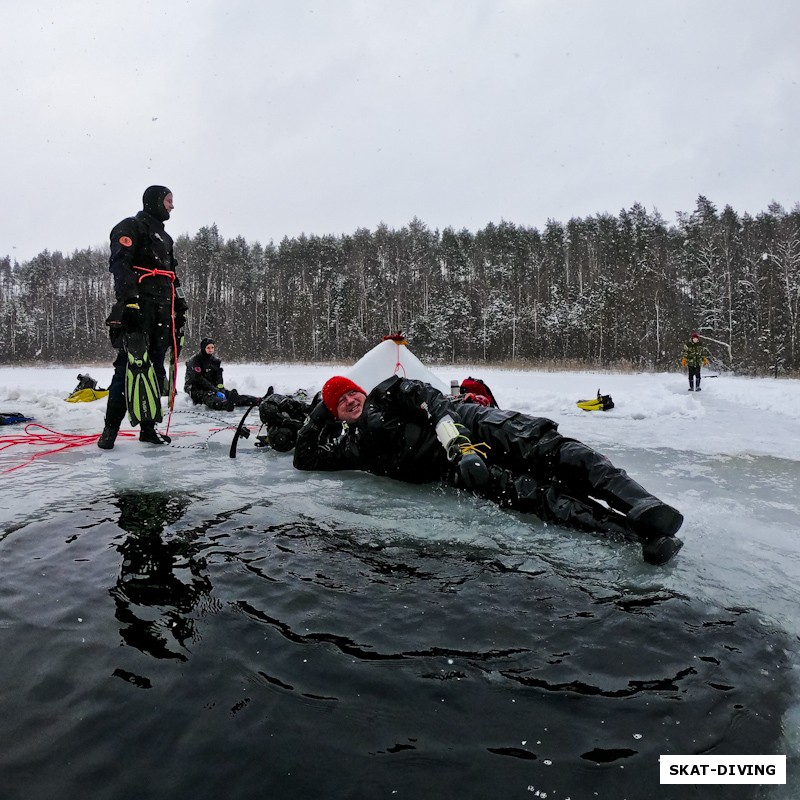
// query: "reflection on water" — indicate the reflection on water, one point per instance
point(255, 633)
point(161, 577)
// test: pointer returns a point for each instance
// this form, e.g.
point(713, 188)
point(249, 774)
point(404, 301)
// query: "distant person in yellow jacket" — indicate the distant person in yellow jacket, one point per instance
point(695, 355)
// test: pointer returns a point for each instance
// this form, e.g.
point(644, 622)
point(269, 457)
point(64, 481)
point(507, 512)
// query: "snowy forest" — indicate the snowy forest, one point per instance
point(607, 291)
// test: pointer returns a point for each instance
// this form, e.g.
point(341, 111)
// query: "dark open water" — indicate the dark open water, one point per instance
point(161, 644)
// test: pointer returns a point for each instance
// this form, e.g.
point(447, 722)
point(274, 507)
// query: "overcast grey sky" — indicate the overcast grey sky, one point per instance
point(273, 118)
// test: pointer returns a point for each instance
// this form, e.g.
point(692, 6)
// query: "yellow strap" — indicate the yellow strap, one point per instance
point(466, 447)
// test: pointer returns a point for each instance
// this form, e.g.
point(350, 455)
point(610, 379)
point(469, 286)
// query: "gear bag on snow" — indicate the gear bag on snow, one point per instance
point(12, 417)
point(602, 402)
point(477, 387)
point(283, 416)
point(86, 391)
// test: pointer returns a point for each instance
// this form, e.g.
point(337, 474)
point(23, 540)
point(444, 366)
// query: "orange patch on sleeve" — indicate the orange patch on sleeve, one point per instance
point(126, 241)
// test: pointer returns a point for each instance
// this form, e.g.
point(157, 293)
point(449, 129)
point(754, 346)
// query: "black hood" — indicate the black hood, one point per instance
point(203, 344)
point(153, 202)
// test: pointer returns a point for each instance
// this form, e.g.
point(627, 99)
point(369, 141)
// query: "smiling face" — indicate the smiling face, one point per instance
point(350, 406)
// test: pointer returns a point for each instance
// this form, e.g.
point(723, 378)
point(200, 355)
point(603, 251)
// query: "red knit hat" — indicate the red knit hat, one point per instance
point(333, 390)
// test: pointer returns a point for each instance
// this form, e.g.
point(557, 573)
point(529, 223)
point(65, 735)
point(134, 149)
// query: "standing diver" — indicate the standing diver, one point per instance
point(146, 320)
point(407, 430)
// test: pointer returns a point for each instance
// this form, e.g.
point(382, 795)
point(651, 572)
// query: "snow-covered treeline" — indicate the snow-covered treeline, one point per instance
point(604, 291)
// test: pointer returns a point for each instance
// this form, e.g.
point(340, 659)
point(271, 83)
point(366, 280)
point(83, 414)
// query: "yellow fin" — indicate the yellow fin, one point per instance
point(87, 395)
point(595, 404)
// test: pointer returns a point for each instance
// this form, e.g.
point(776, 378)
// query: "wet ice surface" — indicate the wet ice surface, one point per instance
point(728, 458)
point(398, 632)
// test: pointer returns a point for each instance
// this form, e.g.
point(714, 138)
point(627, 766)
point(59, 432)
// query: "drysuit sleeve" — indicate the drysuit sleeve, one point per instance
point(195, 380)
point(318, 449)
point(125, 242)
point(413, 396)
point(203, 384)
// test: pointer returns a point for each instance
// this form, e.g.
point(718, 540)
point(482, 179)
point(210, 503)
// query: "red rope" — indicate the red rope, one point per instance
point(151, 273)
point(398, 366)
point(399, 340)
point(56, 441)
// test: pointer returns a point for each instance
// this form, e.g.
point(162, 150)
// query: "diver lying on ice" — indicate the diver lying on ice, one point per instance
point(410, 431)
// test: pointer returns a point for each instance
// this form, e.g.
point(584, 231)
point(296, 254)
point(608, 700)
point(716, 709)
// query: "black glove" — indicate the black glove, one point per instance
point(468, 462)
point(320, 415)
point(181, 308)
point(473, 474)
point(132, 314)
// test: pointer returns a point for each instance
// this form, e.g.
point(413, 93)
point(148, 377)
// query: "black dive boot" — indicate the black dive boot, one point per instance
point(115, 413)
point(107, 438)
point(656, 524)
point(650, 519)
point(661, 549)
point(149, 434)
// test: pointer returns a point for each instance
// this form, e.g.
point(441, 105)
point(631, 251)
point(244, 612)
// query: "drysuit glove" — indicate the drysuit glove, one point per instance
point(466, 457)
point(473, 474)
point(181, 307)
point(683, 362)
point(132, 314)
point(320, 415)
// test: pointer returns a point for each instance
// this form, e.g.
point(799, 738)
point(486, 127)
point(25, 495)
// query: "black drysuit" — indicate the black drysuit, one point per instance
point(203, 377)
point(532, 467)
point(204, 383)
point(141, 246)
